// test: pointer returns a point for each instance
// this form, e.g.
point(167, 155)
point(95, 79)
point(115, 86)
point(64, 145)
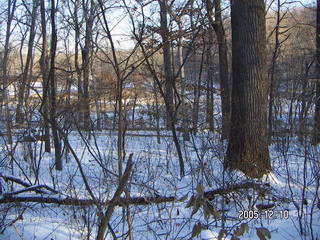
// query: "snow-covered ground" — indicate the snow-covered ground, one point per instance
point(293, 186)
point(291, 189)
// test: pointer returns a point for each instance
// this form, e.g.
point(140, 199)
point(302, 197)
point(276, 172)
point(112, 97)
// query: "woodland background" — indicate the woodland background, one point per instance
point(161, 119)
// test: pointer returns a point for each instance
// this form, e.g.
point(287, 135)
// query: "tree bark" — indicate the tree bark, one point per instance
point(124, 201)
point(197, 90)
point(86, 61)
point(303, 100)
point(317, 105)
point(184, 115)
point(248, 143)
point(51, 77)
point(5, 75)
point(223, 71)
point(217, 24)
point(169, 80)
point(210, 77)
point(44, 70)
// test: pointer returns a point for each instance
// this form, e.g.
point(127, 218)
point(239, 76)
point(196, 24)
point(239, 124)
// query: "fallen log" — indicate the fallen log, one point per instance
point(128, 201)
point(85, 202)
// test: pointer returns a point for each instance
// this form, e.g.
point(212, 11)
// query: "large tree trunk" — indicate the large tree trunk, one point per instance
point(317, 107)
point(248, 143)
point(169, 80)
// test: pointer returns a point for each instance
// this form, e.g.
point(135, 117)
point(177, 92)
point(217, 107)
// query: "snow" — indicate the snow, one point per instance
point(274, 180)
point(53, 228)
point(155, 173)
point(208, 235)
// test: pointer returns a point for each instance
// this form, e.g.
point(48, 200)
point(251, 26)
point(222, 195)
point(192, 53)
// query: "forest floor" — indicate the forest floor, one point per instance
point(291, 190)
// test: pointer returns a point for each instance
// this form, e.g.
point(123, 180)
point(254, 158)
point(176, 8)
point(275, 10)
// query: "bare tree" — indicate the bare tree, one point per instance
point(25, 74)
point(278, 41)
point(166, 46)
point(10, 14)
point(147, 53)
point(89, 14)
point(51, 80)
point(76, 26)
point(217, 24)
point(181, 62)
point(44, 63)
point(210, 79)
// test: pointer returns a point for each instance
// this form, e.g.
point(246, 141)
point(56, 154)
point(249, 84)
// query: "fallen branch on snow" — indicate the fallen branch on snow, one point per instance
point(29, 187)
point(129, 201)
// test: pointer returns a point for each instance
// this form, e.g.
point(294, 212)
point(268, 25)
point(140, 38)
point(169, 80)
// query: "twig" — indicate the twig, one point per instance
point(28, 186)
